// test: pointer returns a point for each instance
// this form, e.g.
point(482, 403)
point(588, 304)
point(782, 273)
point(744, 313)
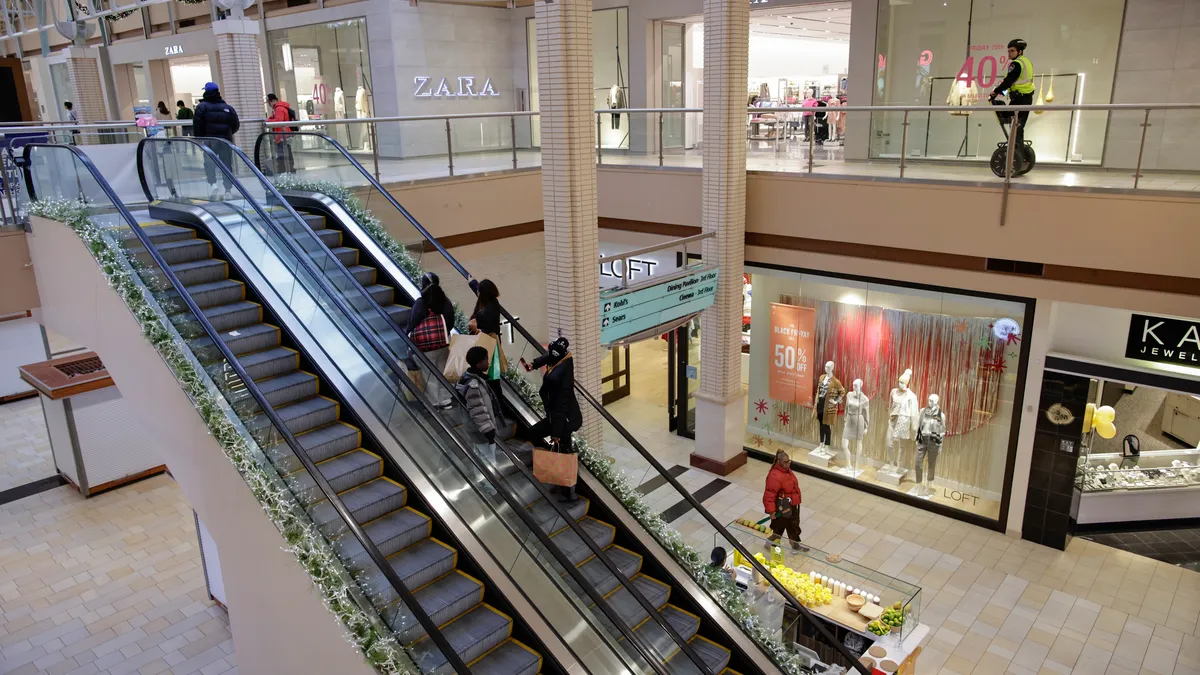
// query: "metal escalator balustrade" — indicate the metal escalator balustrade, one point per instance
point(537, 524)
point(363, 513)
point(636, 457)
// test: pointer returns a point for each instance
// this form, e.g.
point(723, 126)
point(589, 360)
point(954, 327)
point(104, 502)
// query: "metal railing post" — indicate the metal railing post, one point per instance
point(812, 133)
point(903, 143)
point(599, 145)
point(449, 147)
point(374, 149)
point(1008, 167)
point(660, 139)
point(1137, 174)
point(513, 125)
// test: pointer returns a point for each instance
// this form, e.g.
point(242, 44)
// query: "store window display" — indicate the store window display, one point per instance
point(938, 370)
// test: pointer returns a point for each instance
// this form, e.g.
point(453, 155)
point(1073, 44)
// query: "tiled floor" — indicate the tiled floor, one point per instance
point(111, 585)
point(995, 604)
point(1178, 547)
point(24, 445)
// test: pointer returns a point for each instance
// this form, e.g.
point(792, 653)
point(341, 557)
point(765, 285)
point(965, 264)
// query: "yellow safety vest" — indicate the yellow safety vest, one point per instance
point(1025, 84)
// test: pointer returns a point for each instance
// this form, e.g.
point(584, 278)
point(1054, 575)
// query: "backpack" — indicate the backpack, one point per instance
point(292, 117)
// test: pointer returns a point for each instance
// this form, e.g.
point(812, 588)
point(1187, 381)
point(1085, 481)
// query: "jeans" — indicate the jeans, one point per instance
point(225, 154)
point(437, 394)
point(927, 451)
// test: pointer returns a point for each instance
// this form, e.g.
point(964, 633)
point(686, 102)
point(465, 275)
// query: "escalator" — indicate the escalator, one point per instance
point(718, 640)
point(268, 247)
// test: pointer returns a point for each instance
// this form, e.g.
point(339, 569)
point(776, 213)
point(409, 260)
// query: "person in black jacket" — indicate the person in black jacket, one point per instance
point(433, 300)
point(214, 118)
point(563, 416)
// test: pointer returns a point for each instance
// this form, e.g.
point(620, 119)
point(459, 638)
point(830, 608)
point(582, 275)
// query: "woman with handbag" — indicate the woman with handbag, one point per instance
point(781, 501)
point(486, 319)
point(429, 326)
point(563, 416)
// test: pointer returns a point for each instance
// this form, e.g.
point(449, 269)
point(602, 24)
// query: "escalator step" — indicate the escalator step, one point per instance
point(390, 533)
point(234, 315)
point(287, 388)
point(714, 656)
point(399, 314)
point(267, 362)
point(309, 413)
point(684, 623)
point(547, 517)
point(629, 609)
point(244, 340)
point(315, 221)
point(182, 250)
point(332, 238)
point(217, 293)
point(416, 565)
point(508, 658)
point(364, 275)
point(443, 600)
point(471, 635)
point(342, 472)
point(348, 256)
point(594, 570)
point(382, 294)
point(365, 503)
point(330, 440)
point(161, 233)
point(575, 549)
point(201, 271)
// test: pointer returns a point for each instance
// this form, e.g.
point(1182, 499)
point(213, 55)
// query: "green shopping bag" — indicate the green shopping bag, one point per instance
point(496, 368)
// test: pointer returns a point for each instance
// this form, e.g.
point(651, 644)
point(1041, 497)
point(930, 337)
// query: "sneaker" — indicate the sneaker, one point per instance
point(215, 195)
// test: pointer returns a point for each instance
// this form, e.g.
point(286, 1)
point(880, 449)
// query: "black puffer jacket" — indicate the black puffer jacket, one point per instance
point(215, 118)
point(558, 397)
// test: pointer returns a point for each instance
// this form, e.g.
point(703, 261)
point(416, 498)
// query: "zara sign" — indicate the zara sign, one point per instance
point(429, 87)
point(1163, 340)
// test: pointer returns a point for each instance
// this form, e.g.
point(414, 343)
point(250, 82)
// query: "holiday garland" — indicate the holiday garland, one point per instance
point(711, 579)
point(81, 7)
point(366, 632)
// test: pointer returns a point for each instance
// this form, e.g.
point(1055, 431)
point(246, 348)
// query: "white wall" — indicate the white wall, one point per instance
point(774, 57)
point(1100, 333)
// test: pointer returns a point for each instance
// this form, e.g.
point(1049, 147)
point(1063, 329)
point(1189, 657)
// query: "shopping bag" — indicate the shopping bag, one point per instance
point(496, 370)
point(430, 335)
point(456, 362)
point(555, 468)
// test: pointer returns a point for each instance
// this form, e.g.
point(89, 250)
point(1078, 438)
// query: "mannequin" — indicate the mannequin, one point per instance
point(362, 108)
point(829, 394)
point(902, 421)
point(855, 428)
point(931, 428)
point(339, 112)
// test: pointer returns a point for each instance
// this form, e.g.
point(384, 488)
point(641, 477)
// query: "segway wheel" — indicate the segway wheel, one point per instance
point(1029, 158)
point(998, 160)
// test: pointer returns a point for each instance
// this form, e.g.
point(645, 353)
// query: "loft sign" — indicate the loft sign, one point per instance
point(465, 87)
point(1163, 340)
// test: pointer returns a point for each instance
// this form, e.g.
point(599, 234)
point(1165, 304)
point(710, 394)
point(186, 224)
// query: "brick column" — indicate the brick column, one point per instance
point(564, 58)
point(86, 93)
point(240, 76)
point(720, 404)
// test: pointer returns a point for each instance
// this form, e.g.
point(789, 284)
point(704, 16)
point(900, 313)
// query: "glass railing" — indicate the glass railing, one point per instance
point(363, 344)
point(635, 461)
point(63, 172)
point(1092, 146)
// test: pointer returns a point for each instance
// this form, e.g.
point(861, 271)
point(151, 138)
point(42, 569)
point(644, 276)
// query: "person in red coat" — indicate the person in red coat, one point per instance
point(781, 501)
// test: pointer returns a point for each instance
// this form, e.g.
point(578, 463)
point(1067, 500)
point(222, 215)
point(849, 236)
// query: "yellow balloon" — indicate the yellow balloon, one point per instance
point(1104, 413)
point(1106, 429)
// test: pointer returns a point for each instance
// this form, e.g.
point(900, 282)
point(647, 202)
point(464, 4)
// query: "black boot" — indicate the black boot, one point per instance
point(566, 495)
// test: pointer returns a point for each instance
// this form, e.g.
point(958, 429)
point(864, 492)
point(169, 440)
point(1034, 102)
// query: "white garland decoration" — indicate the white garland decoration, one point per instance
point(714, 581)
point(365, 631)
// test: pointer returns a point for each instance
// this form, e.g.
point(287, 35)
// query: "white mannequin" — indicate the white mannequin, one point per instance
point(831, 390)
point(854, 429)
point(362, 108)
point(902, 421)
point(339, 112)
point(931, 428)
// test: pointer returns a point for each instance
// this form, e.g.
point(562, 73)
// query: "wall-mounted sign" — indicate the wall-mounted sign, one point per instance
point(172, 50)
point(1163, 340)
point(625, 313)
point(792, 340)
point(630, 268)
point(464, 86)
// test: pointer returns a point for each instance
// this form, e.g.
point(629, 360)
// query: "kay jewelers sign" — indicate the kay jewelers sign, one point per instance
point(1163, 340)
point(624, 312)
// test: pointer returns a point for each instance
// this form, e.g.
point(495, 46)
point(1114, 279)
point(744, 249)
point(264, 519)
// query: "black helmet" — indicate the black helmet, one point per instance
point(1018, 44)
point(429, 279)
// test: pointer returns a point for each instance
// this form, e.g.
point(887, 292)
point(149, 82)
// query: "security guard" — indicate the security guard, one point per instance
point(1019, 85)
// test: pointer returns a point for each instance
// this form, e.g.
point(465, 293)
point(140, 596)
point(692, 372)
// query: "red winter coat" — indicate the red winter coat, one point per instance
point(781, 482)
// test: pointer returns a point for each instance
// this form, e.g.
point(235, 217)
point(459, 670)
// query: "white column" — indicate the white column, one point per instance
point(564, 56)
point(87, 95)
point(240, 76)
point(720, 404)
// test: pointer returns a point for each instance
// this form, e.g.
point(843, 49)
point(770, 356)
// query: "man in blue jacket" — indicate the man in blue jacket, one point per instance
point(216, 119)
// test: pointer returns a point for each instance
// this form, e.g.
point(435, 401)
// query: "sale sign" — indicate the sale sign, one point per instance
point(793, 337)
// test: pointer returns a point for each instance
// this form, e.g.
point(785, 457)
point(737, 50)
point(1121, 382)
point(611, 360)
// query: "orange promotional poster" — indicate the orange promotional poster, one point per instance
point(793, 336)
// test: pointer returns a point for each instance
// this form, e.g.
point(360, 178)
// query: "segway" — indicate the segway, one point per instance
point(1024, 158)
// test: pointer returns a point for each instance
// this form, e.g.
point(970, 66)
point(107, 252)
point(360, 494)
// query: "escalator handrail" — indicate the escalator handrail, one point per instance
point(641, 450)
point(280, 427)
point(403, 377)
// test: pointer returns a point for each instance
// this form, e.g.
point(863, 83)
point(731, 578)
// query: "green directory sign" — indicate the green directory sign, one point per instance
point(624, 313)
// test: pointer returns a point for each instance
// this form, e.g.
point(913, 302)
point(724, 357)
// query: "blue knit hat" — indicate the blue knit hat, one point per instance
point(211, 86)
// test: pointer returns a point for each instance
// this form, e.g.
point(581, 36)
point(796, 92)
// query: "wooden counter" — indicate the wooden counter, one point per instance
point(67, 376)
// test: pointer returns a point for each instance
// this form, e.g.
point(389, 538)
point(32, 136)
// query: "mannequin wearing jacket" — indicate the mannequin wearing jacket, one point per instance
point(931, 429)
point(362, 110)
point(903, 415)
point(829, 394)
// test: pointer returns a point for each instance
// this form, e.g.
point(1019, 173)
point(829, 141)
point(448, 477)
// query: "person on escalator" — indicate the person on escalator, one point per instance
point(486, 319)
point(214, 118)
point(422, 327)
point(563, 416)
point(482, 405)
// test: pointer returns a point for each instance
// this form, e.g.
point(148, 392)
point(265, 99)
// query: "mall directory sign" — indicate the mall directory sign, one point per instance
point(628, 312)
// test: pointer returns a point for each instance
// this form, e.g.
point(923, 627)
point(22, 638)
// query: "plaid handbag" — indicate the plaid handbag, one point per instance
point(430, 334)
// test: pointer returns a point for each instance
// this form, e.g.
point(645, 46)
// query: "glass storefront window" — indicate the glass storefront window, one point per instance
point(933, 52)
point(892, 349)
point(324, 72)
